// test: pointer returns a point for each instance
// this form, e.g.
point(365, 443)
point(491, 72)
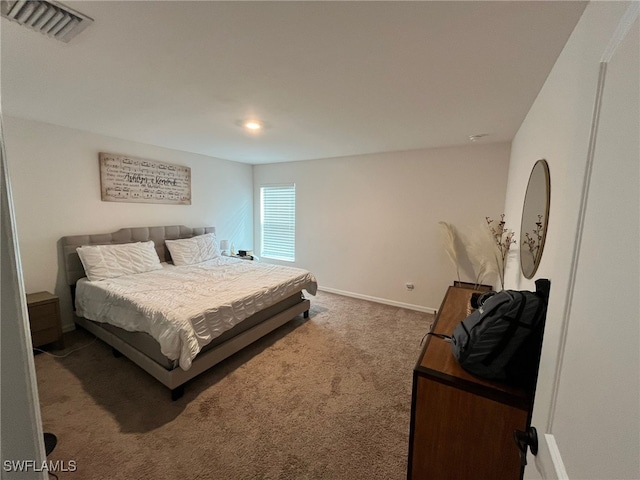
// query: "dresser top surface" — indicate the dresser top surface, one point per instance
point(437, 359)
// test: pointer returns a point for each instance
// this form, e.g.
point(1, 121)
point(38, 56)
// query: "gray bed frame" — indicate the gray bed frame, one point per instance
point(172, 378)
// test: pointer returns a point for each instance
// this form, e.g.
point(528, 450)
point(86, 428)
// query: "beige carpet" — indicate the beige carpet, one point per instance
point(323, 398)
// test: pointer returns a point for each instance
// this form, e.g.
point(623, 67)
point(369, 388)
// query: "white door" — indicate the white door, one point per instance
point(21, 434)
point(593, 430)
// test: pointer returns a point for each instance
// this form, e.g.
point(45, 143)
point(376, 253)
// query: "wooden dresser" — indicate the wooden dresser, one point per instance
point(44, 319)
point(461, 426)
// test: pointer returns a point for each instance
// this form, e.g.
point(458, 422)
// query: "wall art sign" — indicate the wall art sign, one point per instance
point(136, 180)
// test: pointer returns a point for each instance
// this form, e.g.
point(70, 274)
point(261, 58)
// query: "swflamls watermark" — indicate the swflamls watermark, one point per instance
point(34, 466)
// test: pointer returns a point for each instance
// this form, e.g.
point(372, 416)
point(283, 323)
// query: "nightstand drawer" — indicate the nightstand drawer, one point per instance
point(43, 316)
point(43, 337)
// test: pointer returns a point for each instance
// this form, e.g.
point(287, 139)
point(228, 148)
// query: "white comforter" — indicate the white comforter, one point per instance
point(186, 307)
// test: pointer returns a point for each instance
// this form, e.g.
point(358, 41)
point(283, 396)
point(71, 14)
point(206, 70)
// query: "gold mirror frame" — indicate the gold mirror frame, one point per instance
point(535, 218)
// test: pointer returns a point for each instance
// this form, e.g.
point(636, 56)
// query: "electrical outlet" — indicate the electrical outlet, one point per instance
point(409, 286)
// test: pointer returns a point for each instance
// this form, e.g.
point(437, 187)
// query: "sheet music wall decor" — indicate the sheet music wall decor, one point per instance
point(136, 180)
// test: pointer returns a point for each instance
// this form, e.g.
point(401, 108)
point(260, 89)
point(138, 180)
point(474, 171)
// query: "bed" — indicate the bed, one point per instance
point(172, 313)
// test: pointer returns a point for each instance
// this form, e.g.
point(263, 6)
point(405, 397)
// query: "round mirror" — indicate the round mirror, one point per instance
point(535, 218)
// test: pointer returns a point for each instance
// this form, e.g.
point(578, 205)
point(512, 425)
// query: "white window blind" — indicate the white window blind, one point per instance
point(278, 221)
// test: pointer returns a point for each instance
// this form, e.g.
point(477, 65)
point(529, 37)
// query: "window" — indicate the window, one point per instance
point(278, 221)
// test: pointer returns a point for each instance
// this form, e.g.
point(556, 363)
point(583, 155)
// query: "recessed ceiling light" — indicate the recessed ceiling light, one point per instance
point(251, 125)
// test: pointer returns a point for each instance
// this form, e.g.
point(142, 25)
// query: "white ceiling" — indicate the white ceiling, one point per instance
point(329, 78)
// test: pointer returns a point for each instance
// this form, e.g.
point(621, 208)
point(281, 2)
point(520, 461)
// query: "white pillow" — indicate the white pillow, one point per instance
point(110, 261)
point(188, 251)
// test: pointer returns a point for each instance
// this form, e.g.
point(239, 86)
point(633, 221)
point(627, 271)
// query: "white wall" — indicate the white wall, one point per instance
point(56, 189)
point(595, 423)
point(368, 224)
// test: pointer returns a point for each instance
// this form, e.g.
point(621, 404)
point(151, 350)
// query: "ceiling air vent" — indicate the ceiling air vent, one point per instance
point(50, 18)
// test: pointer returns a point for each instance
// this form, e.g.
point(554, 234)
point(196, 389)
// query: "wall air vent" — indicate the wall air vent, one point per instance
point(49, 18)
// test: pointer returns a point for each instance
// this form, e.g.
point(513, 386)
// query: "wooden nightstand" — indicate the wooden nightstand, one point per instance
point(44, 318)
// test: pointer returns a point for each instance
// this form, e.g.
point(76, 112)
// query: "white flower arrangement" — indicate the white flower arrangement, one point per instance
point(450, 245)
point(487, 248)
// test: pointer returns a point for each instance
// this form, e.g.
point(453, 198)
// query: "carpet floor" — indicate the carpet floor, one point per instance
point(326, 398)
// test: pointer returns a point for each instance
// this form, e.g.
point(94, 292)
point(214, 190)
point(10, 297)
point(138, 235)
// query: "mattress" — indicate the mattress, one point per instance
point(185, 308)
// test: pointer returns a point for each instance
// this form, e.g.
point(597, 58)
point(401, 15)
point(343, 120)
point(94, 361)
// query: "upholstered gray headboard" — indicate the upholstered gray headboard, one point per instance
point(73, 265)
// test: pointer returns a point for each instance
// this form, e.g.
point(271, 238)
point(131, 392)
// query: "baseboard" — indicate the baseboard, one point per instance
point(66, 328)
point(548, 464)
point(556, 458)
point(384, 301)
